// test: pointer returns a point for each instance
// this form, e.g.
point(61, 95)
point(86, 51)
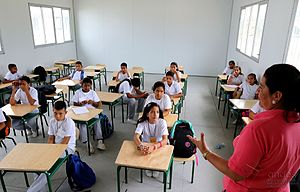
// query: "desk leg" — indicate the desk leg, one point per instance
point(216, 92)
point(126, 179)
point(171, 172)
point(220, 94)
point(2, 181)
point(112, 116)
point(228, 114)
point(26, 179)
point(118, 179)
point(105, 77)
point(49, 183)
point(99, 80)
point(236, 124)
point(122, 110)
point(88, 138)
point(141, 172)
point(25, 132)
point(225, 102)
point(94, 85)
point(165, 181)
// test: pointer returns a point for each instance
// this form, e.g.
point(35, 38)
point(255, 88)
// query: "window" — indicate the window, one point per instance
point(252, 19)
point(293, 54)
point(50, 25)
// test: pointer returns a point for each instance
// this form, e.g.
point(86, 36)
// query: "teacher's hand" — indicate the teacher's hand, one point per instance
point(201, 144)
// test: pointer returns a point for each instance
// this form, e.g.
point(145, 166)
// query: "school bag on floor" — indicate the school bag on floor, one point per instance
point(183, 147)
point(106, 128)
point(80, 175)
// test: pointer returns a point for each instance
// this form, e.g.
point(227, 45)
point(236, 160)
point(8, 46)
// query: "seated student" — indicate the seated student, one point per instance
point(123, 73)
point(77, 74)
point(176, 72)
point(248, 88)
point(89, 98)
point(12, 74)
point(152, 128)
point(2, 125)
point(159, 97)
point(229, 69)
point(133, 96)
point(23, 92)
point(172, 88)
point(237, 77)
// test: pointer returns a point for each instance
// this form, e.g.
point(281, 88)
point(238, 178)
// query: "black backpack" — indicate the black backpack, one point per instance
point(116, 89)
point(183, 147)
point(106, 128)
point(43, 90)
point(39, 70)
point(295, 182)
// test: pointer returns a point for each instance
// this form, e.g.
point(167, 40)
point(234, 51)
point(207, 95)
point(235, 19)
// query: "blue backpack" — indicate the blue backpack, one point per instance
point(80, 175)
point(106, 128)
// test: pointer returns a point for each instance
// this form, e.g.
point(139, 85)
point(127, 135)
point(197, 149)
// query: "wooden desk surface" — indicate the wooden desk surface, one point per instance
point(170, 119)
point(246, 120)
point(91, 73)
point(57, 91)
point(229, 88)
point(70, 62)
point(243, 104)
point(113, 83)
point(222, 77)
point(51, 69)
point(129, 156)
point(19, 110)
point(67, 82)
point(32, 75)
point(32, 157)
point(108, 96)
point(4, 85)
point(176, 100)
point(184, 76)
point(83, 117)
point(94, 67)
point(180, 68)
point(131, 71)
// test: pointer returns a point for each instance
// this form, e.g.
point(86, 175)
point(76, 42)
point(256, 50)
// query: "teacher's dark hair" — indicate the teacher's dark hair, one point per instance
point(286, 79)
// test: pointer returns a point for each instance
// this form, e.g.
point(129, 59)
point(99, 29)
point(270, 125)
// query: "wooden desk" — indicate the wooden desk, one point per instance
point(160, 160)
point(220, 79)
point(184, 77)
point(87, 119)
point(67, 82)
point(32, 157)
point(53, 71)
point(5, 85)
point(94, 76)
point(21, 111)
point(138, 71)
point(67, 65)
point(4, 90)
point(94, 68)
point(31, 76)
point(101, 68)
point(227, 89)
point(112, 100)
point(112, 84)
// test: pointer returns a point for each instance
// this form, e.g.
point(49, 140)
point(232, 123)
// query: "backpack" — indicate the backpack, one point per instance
point(183, 147)
point(116, 89)
point(295, 182)
point(80, 175)
point(6, 130)
point(81, 74)
point(39, 70)
point(42, 98)
point(106, 128)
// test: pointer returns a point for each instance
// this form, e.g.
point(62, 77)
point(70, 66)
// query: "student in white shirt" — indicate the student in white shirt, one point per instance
point(152, 128)
point(133, 96)
point(89, 98)
point(123, 73)
point(237, 77)
point(21, 91)
point(248, 88)
point(176, 72)
point(2, 125)
point(12, 74)
point(77, 74)
point(257, 108)
point(229, 69)
point(159, 97)
point(172, 88)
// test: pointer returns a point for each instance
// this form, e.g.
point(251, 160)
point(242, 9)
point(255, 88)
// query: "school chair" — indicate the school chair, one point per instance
point(103, 72)
point(184, 160)
point(8, 122)
point(52, 98)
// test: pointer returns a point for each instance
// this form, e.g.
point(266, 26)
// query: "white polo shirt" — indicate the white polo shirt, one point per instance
point(21, 96)
point(148, 130)
point(173, 89)
point(76, 75)
point(9, 76)
point(164, 103)
point(80, 96)
point(249, 91)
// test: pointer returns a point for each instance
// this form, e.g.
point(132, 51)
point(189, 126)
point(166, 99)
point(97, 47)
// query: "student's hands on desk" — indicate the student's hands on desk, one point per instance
point(146, 148)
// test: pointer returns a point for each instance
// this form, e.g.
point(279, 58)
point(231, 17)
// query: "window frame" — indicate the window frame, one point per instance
point(263, 29)
point(1, 46)
point(53, 20)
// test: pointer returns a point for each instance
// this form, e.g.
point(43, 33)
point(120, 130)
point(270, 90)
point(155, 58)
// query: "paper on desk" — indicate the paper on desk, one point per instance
point(231, 86)
point(80, 110)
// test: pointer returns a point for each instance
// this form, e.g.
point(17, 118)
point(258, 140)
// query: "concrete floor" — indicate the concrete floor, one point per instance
point(200, 108)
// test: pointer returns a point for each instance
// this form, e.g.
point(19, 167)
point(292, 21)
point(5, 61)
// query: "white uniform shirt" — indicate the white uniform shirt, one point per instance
point(249, 91)
point(156, 130)
point(237, 80)
point(175, 77)
point(61, 129)
point(122, 76)
point(173, 89)
point(257, 108)
point(80, 96)
point(228, 71)
point(9, 76)
point(21, 96)
point(77, 75)
point(2, 117)
point(125, 88)
point(164, 103)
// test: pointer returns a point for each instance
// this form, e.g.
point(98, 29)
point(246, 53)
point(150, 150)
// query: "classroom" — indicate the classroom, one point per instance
point(153, 95)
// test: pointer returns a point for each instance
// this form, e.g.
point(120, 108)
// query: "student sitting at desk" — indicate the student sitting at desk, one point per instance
point(176, 72)
point(21, 91)
point(172, 88)
point(89, 98)
point(133, 96)
point(77, 74)
point(248, 89)
point(229, 69)
point(237, 77)
point(152, 128)
point(12, 74)
point(123, 73)
point(159, 97)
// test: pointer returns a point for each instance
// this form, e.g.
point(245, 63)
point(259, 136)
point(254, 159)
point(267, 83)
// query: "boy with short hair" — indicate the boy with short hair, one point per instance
point(12, 74)
point(77, 74)
point(62, 129)
point(123, 73)
point(23, 92)
point(89, 98)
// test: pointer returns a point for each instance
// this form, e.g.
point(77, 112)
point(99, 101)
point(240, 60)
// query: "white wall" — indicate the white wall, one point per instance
point(276, 32)
point(153, 33)
point(17, 38)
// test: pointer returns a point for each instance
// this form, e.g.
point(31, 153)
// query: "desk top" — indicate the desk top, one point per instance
point(51, 69)
point(113, 83)
point(4, 85)
point(32, 75)
point(229, 88)
point(32, 157)
point(243, 104)
point(67, 82)
point(222, 77)
point(19, 110)
point(184, 76)
point(57, 91)
point(70, 62)
point(91, 73)
point(170, 119)
point(246, 120)
point(159, 160)
point(131, 71)
point(83, 117)
point(108, 96)
point(94, 67)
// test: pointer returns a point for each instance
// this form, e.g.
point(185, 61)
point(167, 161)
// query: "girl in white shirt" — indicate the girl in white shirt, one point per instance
point(172, 88)
point(159, 97)
point(175, 70)
point(237, 77)
point(249, 87)
point(152, 128)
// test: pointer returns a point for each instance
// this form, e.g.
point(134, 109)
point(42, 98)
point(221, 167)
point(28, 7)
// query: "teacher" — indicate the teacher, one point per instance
point(267, 152)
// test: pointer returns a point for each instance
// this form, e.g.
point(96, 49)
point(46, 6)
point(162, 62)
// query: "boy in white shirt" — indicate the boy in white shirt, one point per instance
point(229, 69)
point(123, 73)
point(89, 98)
point(12, 74)
point(172, 88)
point(23, 92)
point(2, 125)
point(133, 97)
